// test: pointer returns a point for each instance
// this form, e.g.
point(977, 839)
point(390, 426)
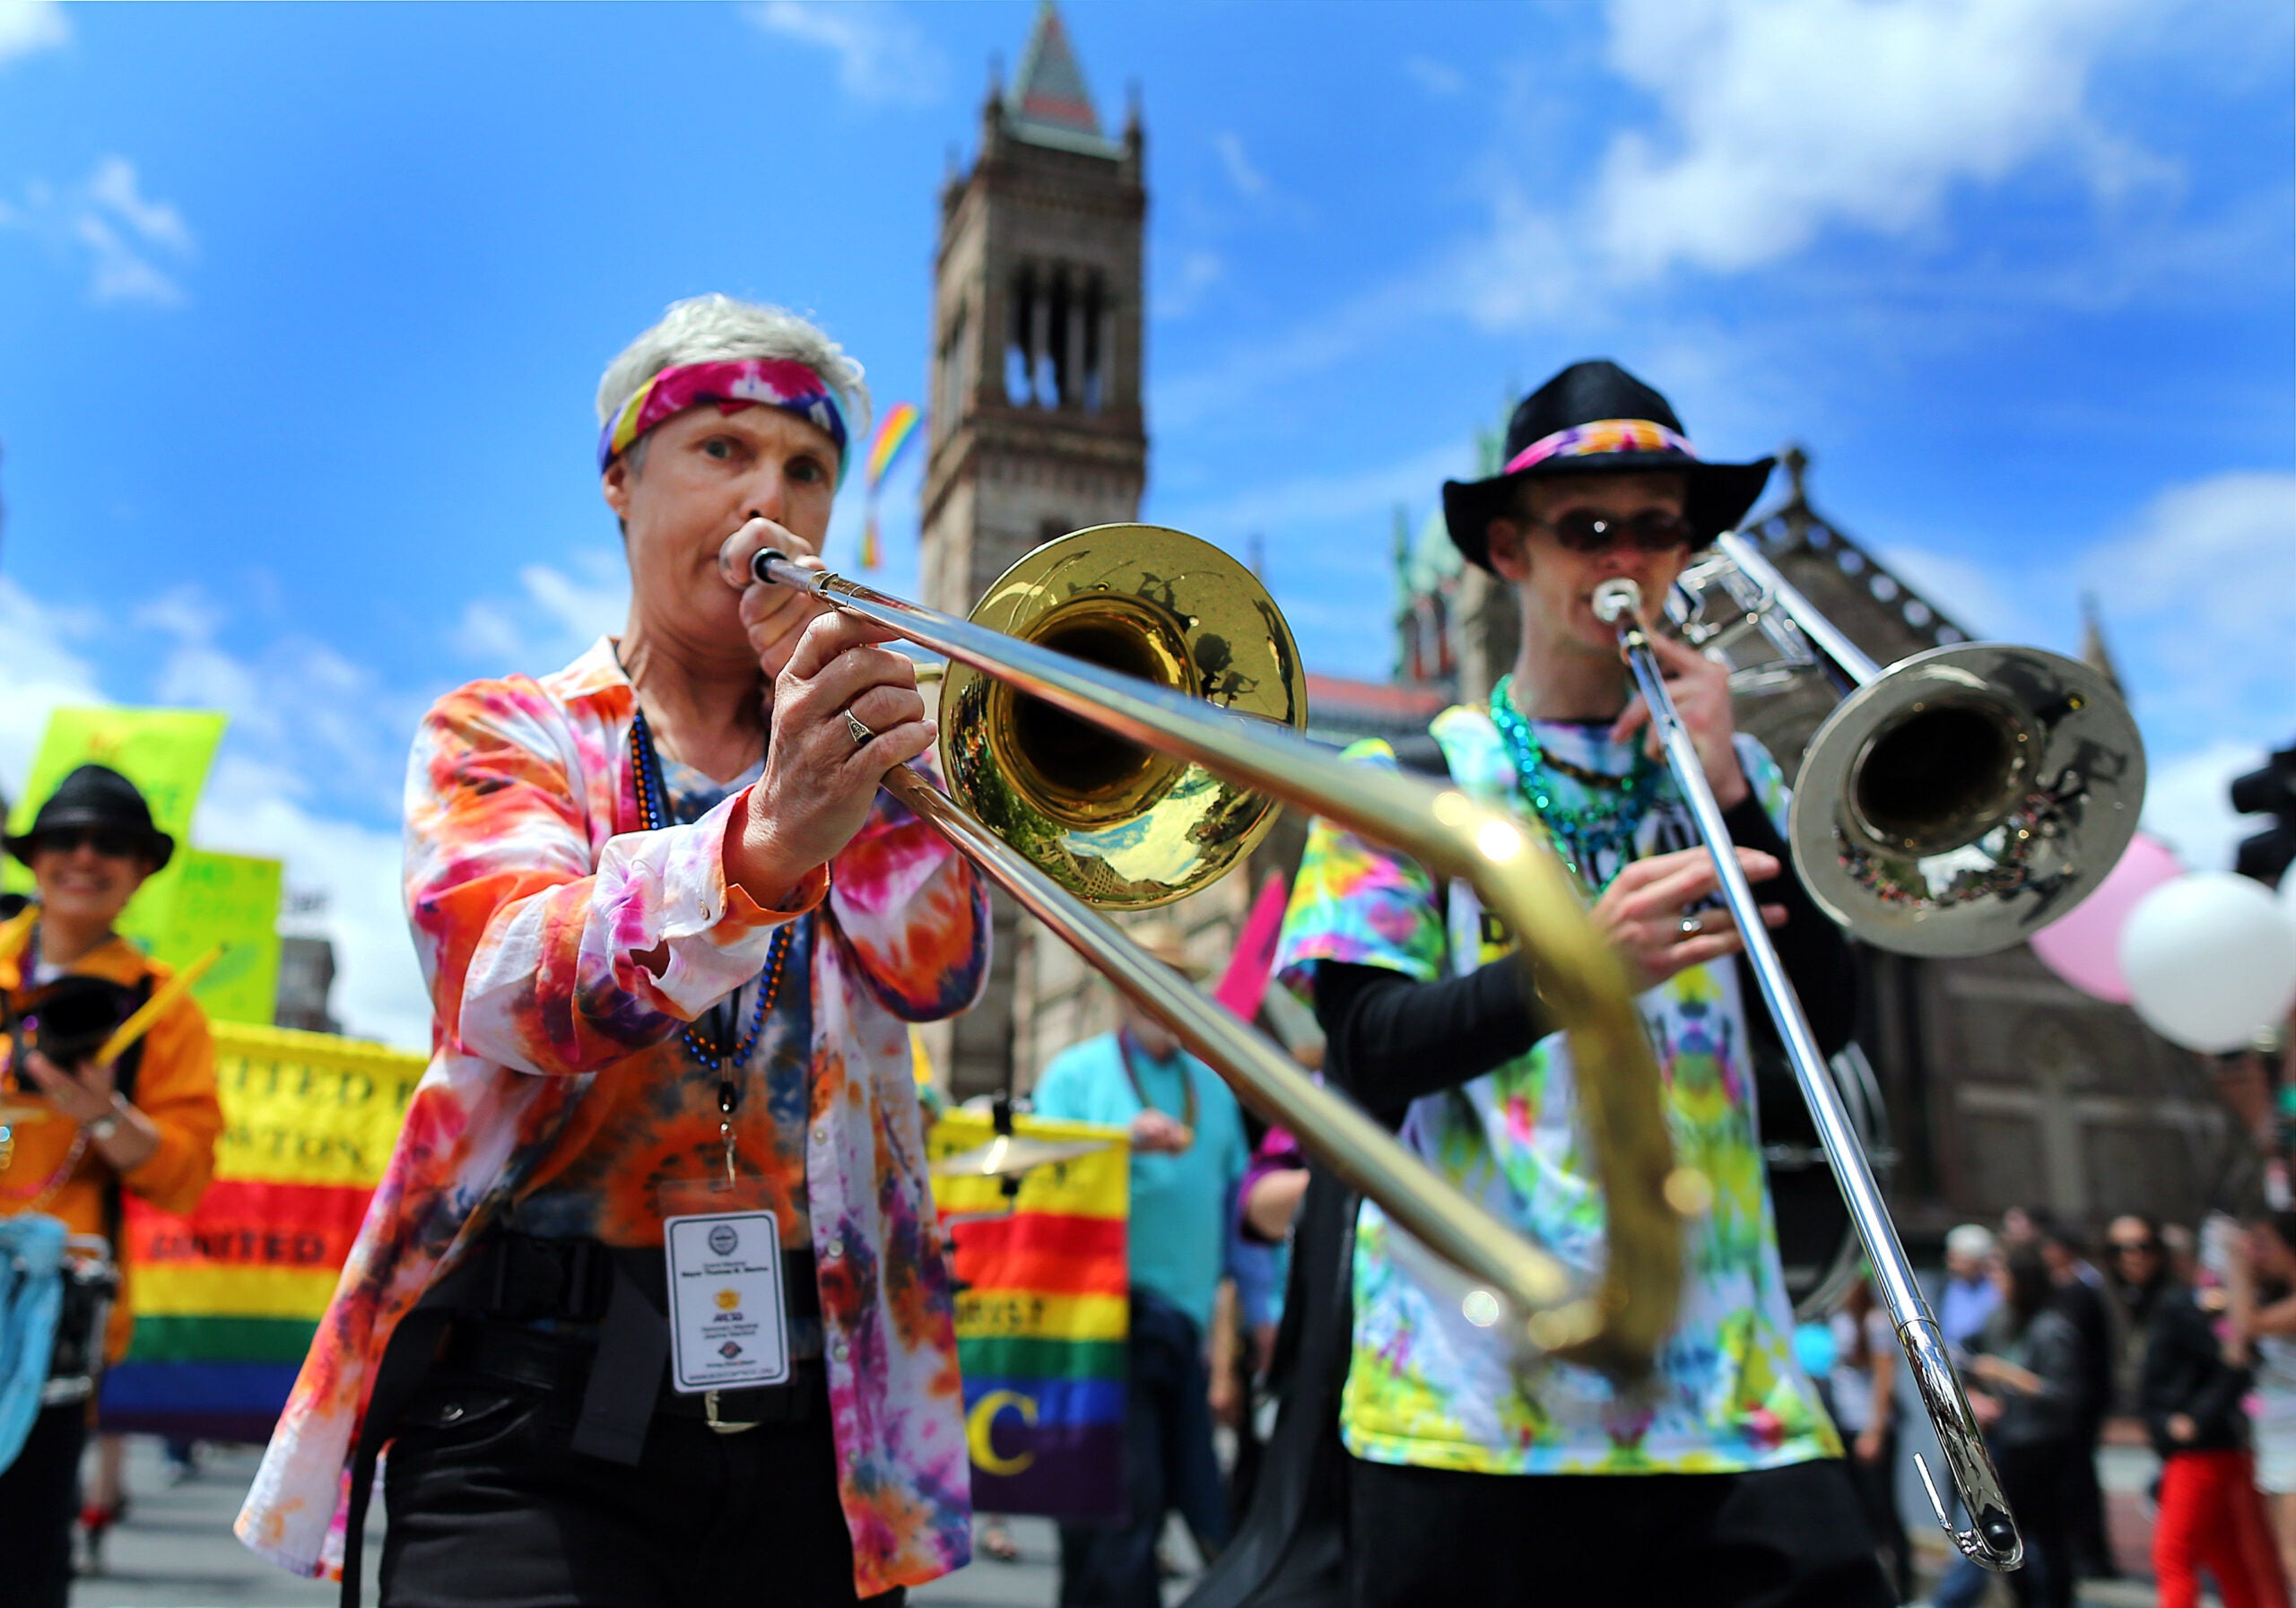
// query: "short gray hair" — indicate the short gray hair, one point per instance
point(1970, 1239)
point(714, 328)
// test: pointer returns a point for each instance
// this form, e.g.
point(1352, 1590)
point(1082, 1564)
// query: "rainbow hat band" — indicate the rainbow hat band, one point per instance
point(1604, 435)
point(781, 383)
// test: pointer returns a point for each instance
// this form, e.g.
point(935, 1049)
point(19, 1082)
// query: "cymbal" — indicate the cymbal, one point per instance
point(1010, 1155)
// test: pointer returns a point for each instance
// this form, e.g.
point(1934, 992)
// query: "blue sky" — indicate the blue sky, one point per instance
point(301, 309)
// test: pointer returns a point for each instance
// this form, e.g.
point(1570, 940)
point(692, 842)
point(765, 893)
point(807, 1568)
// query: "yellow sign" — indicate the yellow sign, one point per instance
point(165, 752)
point(308, 1107)
point(233, 901)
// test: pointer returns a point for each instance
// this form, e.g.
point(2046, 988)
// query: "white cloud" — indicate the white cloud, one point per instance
point(42, 670)
point(556, 615)
point(2188, 805)
point(1437, 78)
point(1780, 118)
point(2197, 593)
point(1359, 499)
point(882, 58)
point(27, 26)
point(106, 223)
point(1248, 179)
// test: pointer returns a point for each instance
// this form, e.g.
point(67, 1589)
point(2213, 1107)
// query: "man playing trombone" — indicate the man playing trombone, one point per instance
point(1720, 1481)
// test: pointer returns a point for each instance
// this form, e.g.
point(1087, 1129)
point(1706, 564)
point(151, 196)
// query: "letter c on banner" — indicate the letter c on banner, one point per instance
point(980, 1424)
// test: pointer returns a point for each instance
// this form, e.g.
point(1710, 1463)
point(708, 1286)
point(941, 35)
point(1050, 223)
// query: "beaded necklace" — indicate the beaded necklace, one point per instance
point(1582, 833)
point(654, 811)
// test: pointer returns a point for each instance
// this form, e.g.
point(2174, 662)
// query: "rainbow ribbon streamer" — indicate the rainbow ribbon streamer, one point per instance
point(893, 433)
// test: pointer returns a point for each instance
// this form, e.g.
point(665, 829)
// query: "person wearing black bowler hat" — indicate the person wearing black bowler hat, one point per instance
point(144, 1122)
point(1719, 1482)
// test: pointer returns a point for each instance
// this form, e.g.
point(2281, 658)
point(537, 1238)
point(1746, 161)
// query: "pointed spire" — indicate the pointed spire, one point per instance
point(2093, 651)
point(1050, 103)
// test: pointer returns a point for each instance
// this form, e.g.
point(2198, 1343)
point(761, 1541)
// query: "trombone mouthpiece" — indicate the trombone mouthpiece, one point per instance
point(761, 563)
point(1616, 600)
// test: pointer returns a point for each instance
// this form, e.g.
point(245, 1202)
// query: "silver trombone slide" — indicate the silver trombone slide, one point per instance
point(1991, 1539)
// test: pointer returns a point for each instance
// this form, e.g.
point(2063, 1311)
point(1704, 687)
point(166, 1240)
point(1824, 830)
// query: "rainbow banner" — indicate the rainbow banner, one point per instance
point(1042, 1319)
point(226, 1299)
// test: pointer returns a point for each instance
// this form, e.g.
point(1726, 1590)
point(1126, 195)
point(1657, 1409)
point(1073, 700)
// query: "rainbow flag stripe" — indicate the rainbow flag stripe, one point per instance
point(227, 1299)
point(893, 432)
point(1042, 1319)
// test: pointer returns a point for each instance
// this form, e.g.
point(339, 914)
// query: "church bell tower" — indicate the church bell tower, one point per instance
point(1036, 427)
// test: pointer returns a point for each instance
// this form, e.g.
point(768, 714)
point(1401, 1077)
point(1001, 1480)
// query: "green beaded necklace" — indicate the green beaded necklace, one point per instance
point(1582, 833)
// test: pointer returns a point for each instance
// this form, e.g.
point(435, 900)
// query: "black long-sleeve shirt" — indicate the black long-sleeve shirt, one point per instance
point(1392, 1039)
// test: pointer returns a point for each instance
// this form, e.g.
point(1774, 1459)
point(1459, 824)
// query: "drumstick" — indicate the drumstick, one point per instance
point(158, 1005)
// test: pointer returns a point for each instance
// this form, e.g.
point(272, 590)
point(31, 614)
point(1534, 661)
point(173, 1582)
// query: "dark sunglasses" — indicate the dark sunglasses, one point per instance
point(1582, 530)
point(2146, 1247)
point(111, 841)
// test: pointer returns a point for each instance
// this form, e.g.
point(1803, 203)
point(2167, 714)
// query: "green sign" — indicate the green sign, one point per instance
point(233, 901)
point(165, 752)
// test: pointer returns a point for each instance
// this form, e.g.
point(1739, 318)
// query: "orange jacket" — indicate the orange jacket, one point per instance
point(174, 1087)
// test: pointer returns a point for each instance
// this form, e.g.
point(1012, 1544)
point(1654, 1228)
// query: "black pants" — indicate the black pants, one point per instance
point(1877, 1496)
point(1169, 1465)
point(2084, 1508)
point(1781, 1538)
point(2034, 1479)
point(488, 1506)
point(39, 1502)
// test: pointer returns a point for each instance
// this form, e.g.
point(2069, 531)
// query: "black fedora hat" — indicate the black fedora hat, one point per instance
point(97, 796)
point(1594, 418)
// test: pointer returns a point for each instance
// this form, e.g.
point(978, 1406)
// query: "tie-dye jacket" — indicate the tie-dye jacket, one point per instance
point(532, 892)
point(1425, 1387)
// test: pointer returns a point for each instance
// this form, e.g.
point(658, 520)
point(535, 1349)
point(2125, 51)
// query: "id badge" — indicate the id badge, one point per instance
point(728, 1330)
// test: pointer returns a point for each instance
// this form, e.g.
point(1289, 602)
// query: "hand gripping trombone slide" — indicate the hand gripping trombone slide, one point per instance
point(1178, 611)
point(1993, 1540)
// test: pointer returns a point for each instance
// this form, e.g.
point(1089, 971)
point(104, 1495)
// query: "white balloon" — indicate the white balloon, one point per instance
point(2210, 959)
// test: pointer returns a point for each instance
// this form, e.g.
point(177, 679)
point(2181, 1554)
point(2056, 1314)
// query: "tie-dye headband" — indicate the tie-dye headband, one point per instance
point(746, 382)
point(1603, 435)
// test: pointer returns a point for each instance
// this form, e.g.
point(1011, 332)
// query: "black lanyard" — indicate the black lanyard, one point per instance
point(1140, 1093)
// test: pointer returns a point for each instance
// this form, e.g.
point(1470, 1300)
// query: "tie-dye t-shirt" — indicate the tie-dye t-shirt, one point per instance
point(534, 892)
point(1426, 1388)
point(666, 1128)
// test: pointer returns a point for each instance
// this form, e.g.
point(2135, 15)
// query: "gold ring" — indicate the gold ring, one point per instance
point(861, 733)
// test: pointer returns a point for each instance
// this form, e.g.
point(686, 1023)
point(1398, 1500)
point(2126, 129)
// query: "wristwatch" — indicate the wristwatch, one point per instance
point(105, 1126)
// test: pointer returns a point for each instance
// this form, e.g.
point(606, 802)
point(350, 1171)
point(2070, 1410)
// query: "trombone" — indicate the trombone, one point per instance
point(1952, 803)
point(1120, 716)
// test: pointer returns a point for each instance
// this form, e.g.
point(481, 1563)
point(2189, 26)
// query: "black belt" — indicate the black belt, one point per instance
point(558, 1363)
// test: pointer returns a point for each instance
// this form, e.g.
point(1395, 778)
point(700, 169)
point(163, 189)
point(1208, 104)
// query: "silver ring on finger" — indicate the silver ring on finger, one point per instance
point(1692, 926)
point(861, 733)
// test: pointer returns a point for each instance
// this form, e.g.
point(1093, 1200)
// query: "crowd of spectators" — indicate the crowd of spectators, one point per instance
point(2192, 1336)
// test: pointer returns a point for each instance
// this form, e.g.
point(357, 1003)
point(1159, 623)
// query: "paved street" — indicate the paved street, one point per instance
point(176, 1549)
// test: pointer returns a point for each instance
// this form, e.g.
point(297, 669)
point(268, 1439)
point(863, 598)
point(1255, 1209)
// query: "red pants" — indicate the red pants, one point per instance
point(2211, 1519)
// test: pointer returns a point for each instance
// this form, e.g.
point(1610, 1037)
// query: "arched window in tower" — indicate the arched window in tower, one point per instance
point(1020, 326)
point(1093, 389)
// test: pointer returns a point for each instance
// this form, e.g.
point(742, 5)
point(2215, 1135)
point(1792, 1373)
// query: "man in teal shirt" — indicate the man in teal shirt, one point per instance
point(1189, 1155)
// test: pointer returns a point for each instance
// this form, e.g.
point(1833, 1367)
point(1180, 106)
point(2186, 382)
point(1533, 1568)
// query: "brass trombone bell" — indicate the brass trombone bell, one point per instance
point(1121, 826)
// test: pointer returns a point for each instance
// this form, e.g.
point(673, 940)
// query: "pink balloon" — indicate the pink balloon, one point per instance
point(2083, 948)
